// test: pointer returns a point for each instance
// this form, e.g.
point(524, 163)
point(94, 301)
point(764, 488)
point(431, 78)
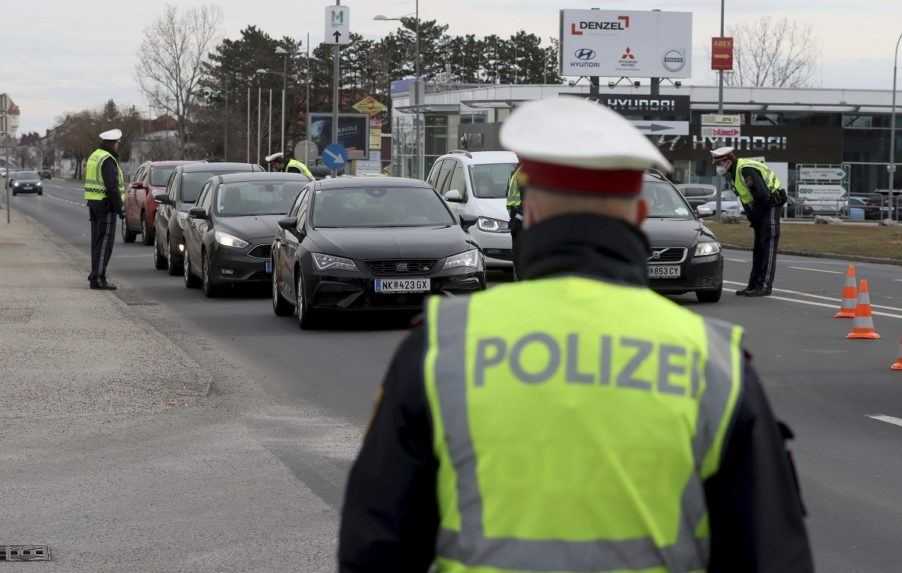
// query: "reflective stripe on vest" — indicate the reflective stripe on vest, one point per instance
point(513, 191)
point(492, 518)
point(295, 164)
point(95, 189)
point(770, 179)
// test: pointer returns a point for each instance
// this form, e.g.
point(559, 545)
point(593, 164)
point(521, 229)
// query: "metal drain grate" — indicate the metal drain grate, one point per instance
point(24, 553)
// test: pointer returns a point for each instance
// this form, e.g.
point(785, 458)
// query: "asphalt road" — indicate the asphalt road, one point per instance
point(827, 388)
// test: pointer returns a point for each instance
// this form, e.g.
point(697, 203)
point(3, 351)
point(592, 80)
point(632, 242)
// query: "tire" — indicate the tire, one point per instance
point(14, 193)
point(40, 193)
point(709, 296)
point(147, 232)
point(305, 316)
point(190, 280)
point(127, 236)
point(280, 306)
point(159, 261)
point(210, 288)
point(171, 266)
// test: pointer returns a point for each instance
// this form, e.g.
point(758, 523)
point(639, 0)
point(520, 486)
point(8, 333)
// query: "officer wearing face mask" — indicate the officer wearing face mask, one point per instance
point(762, 197)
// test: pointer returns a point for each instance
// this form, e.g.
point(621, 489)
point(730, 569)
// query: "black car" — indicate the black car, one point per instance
point(686, 255)
point(369, 243)
point(25, 182)
point(182, 190)
point(230, 231)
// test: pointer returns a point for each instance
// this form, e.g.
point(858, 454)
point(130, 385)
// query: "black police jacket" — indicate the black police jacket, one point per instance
point(390, 514)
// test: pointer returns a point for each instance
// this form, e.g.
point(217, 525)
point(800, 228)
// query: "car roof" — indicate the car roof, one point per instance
point(370, 181)
point(483, 157)
point(215, 167)
point(700, 185)
point(262, 176)
point(173, 163)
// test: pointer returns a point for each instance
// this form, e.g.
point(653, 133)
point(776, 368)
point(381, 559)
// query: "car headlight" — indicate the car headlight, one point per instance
point(707, 249)
point(227, 240)
point(15, 183)
point(333, 263)
point(467, 260)
point(490, 225)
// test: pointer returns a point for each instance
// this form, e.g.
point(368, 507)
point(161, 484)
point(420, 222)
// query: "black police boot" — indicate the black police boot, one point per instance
point(94, 285)
point(758, 292)
point(743, 292)
point(104, 285)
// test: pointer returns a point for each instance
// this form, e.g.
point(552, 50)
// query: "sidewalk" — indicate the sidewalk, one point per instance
point(113, 448)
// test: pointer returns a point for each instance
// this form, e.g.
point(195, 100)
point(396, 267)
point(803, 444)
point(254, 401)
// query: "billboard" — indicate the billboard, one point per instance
point(626, 43)
point(353, 132)
point(722, 54)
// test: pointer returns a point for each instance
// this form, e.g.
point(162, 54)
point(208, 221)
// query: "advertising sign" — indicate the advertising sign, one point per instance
point(626, 43)
point(720, 132)
point(776, 143)
point(718, 120)
point(722, 54)
point(353, 132)
point(628, 104)
point(370, 106)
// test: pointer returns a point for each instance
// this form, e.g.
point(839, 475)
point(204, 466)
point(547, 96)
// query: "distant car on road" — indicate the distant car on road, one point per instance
point(182, 190)
point(697, 193)
point(729, 205)
point(475, 185)
point(140, 208)
point(230, 230)
point(26, 182)
point(370, 243)
point(685, 254)
point(46, 173)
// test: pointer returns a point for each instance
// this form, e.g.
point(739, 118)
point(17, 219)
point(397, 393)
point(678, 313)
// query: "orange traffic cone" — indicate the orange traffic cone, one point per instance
point(897, 365)
point(863, 327)
point(849, 296)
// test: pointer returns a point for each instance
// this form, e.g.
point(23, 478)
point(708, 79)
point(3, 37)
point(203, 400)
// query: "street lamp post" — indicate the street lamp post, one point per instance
point(283, 52)
point(891, 168)
point(420, 152)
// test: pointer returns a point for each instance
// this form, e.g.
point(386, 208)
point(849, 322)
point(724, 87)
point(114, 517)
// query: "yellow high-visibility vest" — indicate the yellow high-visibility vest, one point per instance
point(295, 164)
point(95, 190)
point(770, 179)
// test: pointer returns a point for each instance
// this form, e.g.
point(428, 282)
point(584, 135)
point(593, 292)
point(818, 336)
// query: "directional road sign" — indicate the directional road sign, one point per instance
point(338, 25)
point(822, 173)
point(653, 127)
point(335, 156)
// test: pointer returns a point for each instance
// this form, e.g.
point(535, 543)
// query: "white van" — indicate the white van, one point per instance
point(474, 184)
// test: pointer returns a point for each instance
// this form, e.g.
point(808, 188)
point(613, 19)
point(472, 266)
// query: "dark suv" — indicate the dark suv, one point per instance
point(182, 191)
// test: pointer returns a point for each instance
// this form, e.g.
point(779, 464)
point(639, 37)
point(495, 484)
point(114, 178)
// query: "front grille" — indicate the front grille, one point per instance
point(667, 255)
point(402, 267)
point(261, 251)
point(503, 254)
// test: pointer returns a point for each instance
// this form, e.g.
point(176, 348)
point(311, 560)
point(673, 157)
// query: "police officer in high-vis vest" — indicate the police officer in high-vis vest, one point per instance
point(515, 210)
point(278, 163)
point(104, 186)
point(762, 197)
point(575, 421)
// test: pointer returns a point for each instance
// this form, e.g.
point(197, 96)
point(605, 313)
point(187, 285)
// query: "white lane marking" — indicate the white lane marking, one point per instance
point(888, 419)
point(743, 261)
point(820, 304)
point(816, 270)
point(817, 296)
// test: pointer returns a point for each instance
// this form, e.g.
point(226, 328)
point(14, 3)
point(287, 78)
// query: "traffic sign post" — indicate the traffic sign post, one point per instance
point(335, 157)
point(338, 33)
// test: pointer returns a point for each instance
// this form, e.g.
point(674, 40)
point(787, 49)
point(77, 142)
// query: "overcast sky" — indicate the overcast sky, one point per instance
point(60, 55)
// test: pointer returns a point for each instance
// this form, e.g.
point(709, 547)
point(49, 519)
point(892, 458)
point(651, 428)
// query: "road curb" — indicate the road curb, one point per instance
point(816, 255)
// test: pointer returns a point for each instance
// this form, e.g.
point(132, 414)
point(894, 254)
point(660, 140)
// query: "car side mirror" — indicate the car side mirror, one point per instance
point(454, 196)
point(288, 223)
point(703, 211)
point(198, 213)
point(467, 221)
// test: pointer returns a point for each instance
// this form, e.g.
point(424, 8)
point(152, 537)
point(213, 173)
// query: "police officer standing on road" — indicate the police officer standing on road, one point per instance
point(277, 163)
point(762, 197)
point(515, 210)
point(576, 421)
point(104, 186)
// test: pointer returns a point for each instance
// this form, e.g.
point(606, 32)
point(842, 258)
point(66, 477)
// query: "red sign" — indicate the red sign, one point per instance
point(722, 54)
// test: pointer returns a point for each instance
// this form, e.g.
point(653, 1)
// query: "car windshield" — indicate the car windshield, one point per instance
point(26, 175)
point(379, 207)
point(249, 198)
point(664, 202)
point(193, 184)
point(159, 176)
point(490, 181)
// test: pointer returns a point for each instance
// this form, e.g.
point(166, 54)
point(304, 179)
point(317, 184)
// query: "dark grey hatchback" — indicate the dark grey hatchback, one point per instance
point(369, 243)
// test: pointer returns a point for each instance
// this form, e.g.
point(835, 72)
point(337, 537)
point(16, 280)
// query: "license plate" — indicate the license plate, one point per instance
point(664, 271)
point(268, 265)
point(402, 285)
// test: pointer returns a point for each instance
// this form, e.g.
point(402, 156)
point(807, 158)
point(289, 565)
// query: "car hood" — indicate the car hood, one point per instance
point(674, 232)
point(392, 242)
point(256, 228)
point(494, 208)
point(29, 180)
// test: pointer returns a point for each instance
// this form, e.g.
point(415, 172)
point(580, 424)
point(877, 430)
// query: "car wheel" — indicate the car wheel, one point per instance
point(40, 193)
point(159, 262)
point(146, 231)
point(14, 193)
point(127, 236)
point(171, 265)
point(210, 289)
point(190, 279)
point(302, 311)
point(280, 306)
point(709, 296)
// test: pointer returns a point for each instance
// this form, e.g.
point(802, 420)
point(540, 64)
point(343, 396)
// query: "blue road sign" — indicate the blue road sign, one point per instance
point(335, 156)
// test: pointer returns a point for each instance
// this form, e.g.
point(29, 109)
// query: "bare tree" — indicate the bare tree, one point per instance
point(170, 61)
point(773, 53)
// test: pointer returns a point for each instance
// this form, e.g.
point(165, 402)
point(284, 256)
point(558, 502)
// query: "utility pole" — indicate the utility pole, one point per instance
point(718, 199)
point(336, 78)
point(891, 168)
point(307, 109)
point(8, 206)
point(269, 134)
point(259, 119)
point(284, 52)
point(225, 132)
point(421, 164)
point(248, 123)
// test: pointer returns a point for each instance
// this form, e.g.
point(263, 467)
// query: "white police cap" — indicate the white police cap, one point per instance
point(274, 156)
point(722, 152)
point(111, 135)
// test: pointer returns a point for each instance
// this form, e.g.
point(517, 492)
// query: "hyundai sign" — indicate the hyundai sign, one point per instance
point(633, 44)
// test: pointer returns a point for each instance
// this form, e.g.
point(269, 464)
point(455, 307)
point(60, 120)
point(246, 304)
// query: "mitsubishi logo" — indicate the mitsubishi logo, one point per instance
point(628, 55)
